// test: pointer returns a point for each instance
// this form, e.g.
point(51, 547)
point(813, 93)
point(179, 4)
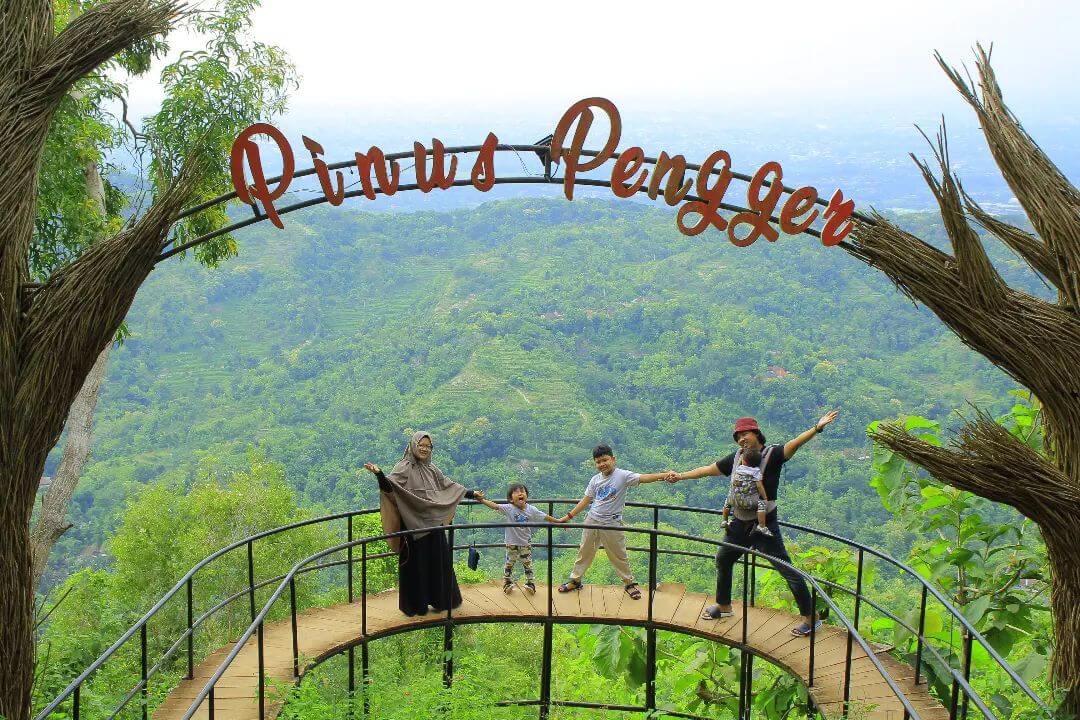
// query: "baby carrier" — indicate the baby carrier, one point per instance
point(744, 493)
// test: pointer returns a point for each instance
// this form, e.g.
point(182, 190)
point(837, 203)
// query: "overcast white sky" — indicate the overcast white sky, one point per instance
point(469, 56)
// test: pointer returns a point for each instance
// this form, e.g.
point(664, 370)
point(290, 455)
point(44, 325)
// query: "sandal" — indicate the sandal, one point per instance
point(713, 612)
point(633, 591)
point(570, 585)
point(803, 629)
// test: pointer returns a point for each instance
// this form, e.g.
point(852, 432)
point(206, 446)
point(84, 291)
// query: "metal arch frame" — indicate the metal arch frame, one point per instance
point(960, 679)
point(541, 150)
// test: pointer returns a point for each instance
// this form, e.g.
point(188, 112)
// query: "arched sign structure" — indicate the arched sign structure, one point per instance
point(804, 211)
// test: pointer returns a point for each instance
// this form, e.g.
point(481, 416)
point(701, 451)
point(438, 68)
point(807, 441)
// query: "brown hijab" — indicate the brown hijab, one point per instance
point(422, 496)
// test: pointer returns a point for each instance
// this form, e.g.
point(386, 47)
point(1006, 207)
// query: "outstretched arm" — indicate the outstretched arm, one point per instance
point(479, 495)
point(795, 443)
point(582, 504)
point(375, 470)
point(694, 474)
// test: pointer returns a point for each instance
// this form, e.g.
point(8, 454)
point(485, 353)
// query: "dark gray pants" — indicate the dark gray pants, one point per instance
point(740, 533)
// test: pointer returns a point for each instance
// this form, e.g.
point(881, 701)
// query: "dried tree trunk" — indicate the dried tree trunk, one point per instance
point(1035, 341)
point(21, 445)
point(50, 341)
point(52, 521)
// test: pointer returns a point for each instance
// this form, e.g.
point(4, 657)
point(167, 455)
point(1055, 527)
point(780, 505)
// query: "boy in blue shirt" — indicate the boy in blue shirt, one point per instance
point(606, 493)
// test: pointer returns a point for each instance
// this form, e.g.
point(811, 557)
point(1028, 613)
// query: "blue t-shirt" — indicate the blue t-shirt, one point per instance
point(609, 496)
point(514, 514)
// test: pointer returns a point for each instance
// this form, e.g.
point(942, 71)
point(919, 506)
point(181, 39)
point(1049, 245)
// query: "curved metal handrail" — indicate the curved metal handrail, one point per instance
point(960, 683)
point(953, 611)
point(257, 624)
point(182, 582)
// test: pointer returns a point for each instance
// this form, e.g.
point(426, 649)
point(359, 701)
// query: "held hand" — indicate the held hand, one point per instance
point(478, 494)
point(564, 519)
point(826, 419)
point(372, 468)
point(672, 477)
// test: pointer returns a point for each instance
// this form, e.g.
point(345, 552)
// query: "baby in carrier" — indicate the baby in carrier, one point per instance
point(747, 493)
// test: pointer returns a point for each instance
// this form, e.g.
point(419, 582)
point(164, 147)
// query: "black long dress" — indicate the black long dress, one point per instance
point(425, 569)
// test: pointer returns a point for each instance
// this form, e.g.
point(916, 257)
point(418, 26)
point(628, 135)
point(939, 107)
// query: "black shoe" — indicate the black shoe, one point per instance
point(530, 588)
point(508, 586)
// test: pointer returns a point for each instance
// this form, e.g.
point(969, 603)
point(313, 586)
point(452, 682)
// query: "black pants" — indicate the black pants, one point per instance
point(426, 575)
point(740, 532)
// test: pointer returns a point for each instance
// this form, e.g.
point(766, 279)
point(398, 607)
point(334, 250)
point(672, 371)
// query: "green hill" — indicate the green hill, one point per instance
point(521, 333)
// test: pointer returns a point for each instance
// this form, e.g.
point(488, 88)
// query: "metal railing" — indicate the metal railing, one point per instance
point(962, 694)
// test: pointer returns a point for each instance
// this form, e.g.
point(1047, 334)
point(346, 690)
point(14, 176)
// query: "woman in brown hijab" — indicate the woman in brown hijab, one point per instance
point(416, 494)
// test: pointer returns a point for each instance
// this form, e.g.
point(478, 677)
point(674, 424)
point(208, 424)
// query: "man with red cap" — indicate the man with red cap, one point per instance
point(740, 535)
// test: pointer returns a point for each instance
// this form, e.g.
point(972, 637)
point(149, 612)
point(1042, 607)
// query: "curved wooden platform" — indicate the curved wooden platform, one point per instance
point(326, 631)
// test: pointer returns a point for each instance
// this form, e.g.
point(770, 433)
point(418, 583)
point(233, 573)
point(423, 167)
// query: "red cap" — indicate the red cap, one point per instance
point(747, 423)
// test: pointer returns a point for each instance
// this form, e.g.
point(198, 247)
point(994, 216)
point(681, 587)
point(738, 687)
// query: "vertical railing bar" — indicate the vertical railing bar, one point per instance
point(922, 630)
point(813, 633)
point(190, 632)
point(363, 627)
point(954, 695)
point(742, 684)
point(652, 575)
point(550, 580)
point(349, 564)
point(295, 638)
point(352, 680)
point(251, 577)
point(851, 635)
point(753, 579)
point(967, 675)
point(749, 683)
point(364, 677)
point(211, 699)
point(745, 632)
point(145, 690)
point(363, 590)
point(545, 661)
point(448, 628)
point(650, 632)
point(262, 675)
point(75, 703)
point(745, 599)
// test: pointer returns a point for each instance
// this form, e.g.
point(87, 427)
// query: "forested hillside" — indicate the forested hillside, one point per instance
point(521, 333)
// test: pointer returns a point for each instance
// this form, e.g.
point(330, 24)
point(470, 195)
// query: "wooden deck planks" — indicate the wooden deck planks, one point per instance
point(322, 631)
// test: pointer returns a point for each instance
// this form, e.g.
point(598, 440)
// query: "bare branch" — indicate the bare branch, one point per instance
point(987, 460)
point(976, 271)
point(135, 134)
point(1051, 202)
point(918, 269)
point(1029, 247)
point(97, 35)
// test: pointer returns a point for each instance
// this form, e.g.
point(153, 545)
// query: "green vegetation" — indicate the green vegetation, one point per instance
point(522, 333)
